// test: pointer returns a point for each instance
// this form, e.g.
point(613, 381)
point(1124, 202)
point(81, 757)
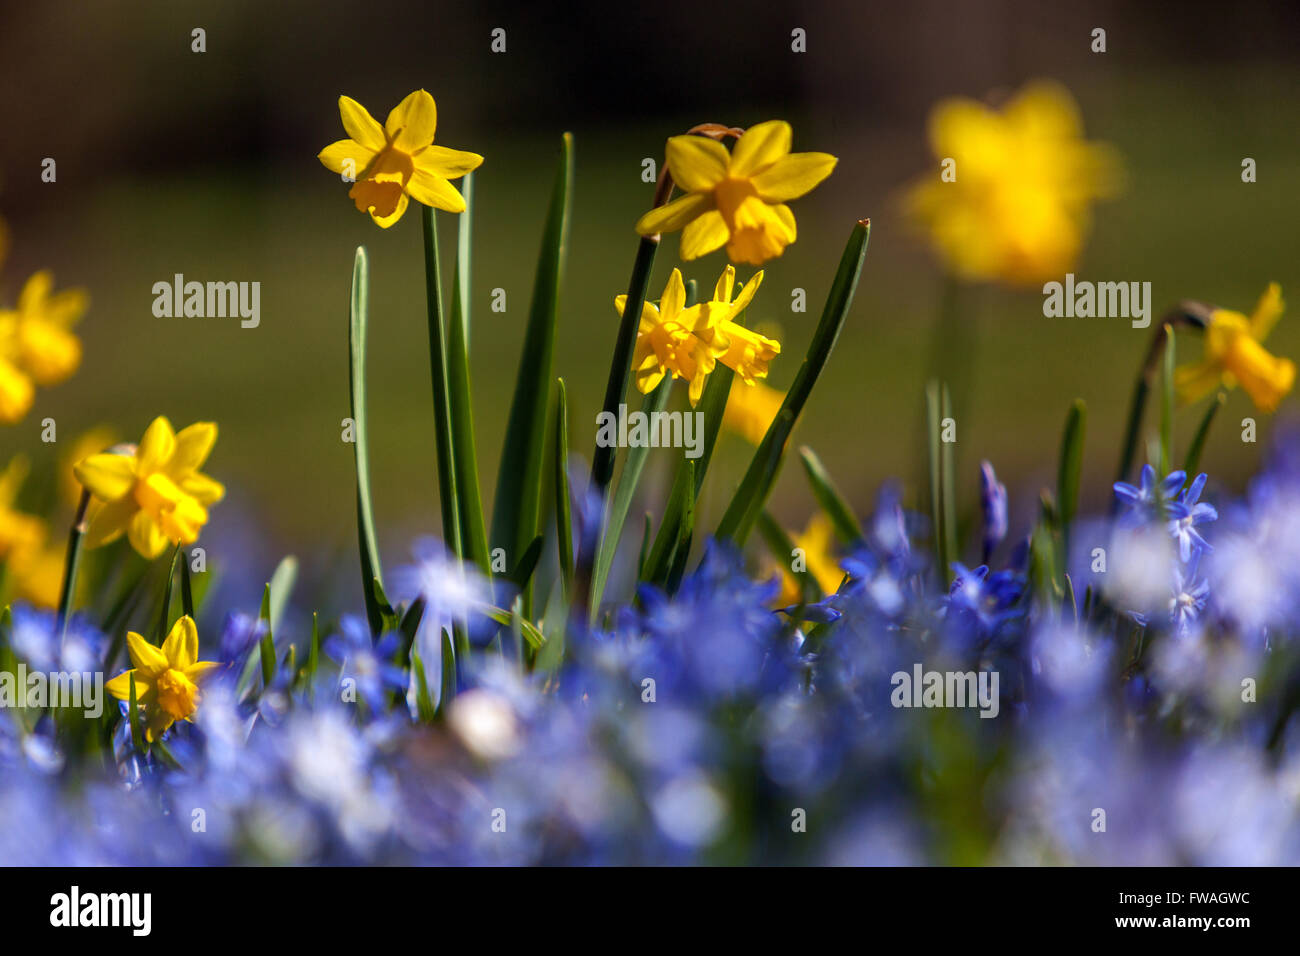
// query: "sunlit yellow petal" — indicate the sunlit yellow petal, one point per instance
point(433, 190)
point(156, 447)
point(697, 163)
point(145, 536)
point(412, 122)
point(704, 235)
point(794, 175)
point(336, 156)
point(360, 125)
point(106, 476)
point(146, 658)
point(109, 522)
point(16, 393)
point(1267, 311)
point(181, 647)
point(447, 163)
point(193, 445)
point(675, 215)
point(383, 222)
point(760, 147)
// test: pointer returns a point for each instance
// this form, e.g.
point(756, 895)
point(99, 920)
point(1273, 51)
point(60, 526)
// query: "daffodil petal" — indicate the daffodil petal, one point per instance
point(206, 491)
point(109, 522)
point(181, 647)
point(146, 537)
point(697, 163)
point(759, 147)
point(35, 290)
point(106, 476)
point(1267, 311)
point(704, 235)
point(412, 122)
point(150, 660)
point(201, 670)
point(156, 447)
point(433, 190)
point(193, 445)
point(360, 125)
point(793, 175)
point(726, 282)
point(674, 215)
point(335, 155)
point(674, 297)
point(447, 163)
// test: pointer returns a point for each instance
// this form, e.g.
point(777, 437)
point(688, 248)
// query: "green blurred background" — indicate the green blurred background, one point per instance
point(171, 161)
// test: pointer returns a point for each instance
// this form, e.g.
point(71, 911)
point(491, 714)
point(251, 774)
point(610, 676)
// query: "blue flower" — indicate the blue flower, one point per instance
point(1189, 599)
point(1185, 514)
point(979, 603)
point(1149, 500)
point(360, 659)
point(993, 504)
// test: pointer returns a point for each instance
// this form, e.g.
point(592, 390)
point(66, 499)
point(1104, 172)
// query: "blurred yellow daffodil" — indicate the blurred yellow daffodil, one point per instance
point(751, 409)
point(20, 534)
point(747, 352)
point(156, 494)
point(816, 547)
point(736, 199)
point(1012, 200)
point(398, 160)
point(167, 678)
point(37, 346)
point(1234, 355)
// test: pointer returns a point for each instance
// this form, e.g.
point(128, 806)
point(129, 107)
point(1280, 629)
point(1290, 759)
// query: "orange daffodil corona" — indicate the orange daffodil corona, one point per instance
point(397, 162)
point(688, 342)
point(736, 199)
point(1234, 355)
point(167, 678)
point(37, 346)
point(156, 493)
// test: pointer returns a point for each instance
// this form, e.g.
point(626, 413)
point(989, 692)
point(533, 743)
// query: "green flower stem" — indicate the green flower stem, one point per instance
point(438, 375)
point(71, 564)
point(1193, 314)
point(369, 548)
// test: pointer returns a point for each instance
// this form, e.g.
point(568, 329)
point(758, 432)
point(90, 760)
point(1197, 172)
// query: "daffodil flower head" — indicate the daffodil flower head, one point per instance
point(1018, 208)
point(167, 678)
point(1235, 355)
point(666, 343)
point(20, 534)
point(37, 346)
point(738, 198)
point(745, 352)
point(397, 162)
point(154, 492)
point(817, 543)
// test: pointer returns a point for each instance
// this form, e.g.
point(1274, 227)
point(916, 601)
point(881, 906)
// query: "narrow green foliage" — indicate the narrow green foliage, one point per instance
point(846, 525)
point(1069, 471)
point(447, 491)
point(267, 647)
point(1202, 432)
point(187, 591)
point(366, 541)
point(464, 456)
point(1167, 405)
point(516, 510)
point(758, 480)
point(563, 513)
point(782, 548)
point(161, 631)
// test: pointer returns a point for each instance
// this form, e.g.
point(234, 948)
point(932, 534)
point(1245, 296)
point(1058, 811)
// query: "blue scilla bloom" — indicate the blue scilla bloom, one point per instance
point(240, 633)
point(35, 640)
point(716, 633)
point(1185, 514)
point(1149, 499)
point(1189, 598)
point(979, 603)
point(368, 663)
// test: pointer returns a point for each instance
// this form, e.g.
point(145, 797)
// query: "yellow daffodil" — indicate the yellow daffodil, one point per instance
point(37, 346)
point(21, 535)
point(1018, 208)
point(817, 544)
point(38, 575)
point(666, 343)
point(747, 352)
point(397, 160)
point(689, 342)
point(90, 442)
point(156, 493)
point(751, 409)
point(736, 199)
point(167, 678)
point(1234, 355)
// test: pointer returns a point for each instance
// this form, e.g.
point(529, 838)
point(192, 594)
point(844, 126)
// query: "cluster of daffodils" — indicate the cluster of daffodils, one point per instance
point(832, 708)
